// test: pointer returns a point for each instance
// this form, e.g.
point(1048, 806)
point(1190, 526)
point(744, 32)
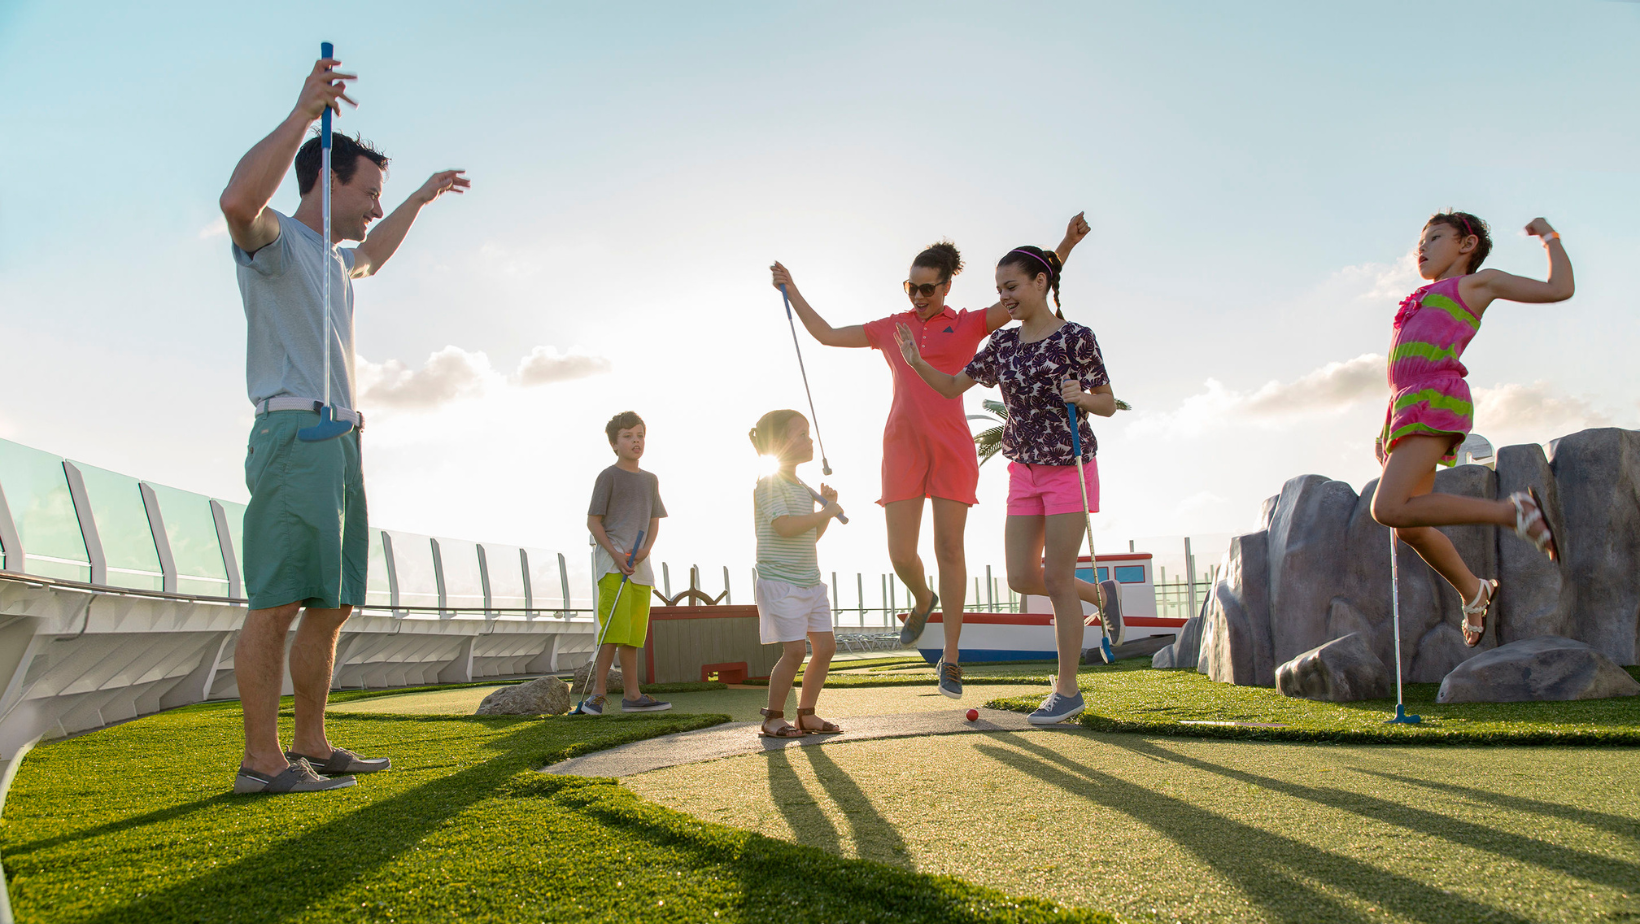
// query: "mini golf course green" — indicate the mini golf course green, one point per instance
point(1508, 813)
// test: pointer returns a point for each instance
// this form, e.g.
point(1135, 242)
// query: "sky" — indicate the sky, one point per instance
point(1256, 176)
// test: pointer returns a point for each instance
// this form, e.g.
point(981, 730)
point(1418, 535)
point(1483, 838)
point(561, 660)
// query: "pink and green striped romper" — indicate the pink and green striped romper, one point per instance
point(1428, 394)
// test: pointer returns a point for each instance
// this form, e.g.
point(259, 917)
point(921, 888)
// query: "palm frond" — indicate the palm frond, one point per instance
point(996, 407)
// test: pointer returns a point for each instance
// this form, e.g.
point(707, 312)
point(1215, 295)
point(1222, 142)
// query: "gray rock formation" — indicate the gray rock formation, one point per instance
point(612, 685)
point(1320, 568)
point(546, 696)
point(1185, 650)
point(1340, 671)
point(1545, 668)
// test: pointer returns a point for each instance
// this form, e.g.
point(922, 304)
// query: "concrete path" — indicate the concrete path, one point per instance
point(739, 738)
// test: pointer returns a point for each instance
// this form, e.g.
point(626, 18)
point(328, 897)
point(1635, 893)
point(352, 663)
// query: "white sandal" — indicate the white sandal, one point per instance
point(1526, 519)
point(1478, 607)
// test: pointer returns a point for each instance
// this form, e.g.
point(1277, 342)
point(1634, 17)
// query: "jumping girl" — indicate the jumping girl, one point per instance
point(1040, 365)
point(1430, 410)
point(928, 449)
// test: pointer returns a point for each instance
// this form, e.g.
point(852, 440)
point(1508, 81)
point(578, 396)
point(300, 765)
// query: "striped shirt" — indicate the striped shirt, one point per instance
point(779, 558)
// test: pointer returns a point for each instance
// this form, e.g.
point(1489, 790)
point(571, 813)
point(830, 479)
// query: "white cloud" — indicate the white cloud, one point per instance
point(1379, 281)
point(217, 228)
point(1534, 411)
point(453, 374)
point(545, 365)
point(1331, 388)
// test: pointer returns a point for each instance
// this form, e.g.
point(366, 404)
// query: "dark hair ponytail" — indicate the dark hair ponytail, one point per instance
point(1466, 224)
point(770, 433)
point(1033, 262)
point(943, 257)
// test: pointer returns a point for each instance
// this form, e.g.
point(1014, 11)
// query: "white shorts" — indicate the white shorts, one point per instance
point(788, 613)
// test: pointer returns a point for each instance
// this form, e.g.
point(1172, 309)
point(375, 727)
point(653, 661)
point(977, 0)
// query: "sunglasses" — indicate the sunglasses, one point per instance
point(926, 290)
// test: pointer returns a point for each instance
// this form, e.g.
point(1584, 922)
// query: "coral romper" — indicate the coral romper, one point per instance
point(1428, 394)
point(928, 449)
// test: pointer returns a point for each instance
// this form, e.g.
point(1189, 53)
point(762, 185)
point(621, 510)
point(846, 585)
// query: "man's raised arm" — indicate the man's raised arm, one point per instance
point(258, 175)
point(386, 237)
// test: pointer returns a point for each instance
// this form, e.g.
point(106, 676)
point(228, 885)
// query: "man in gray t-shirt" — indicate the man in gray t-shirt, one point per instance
point(306, 536)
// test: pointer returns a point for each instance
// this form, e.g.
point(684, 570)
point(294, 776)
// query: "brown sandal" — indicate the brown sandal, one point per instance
point(826, 728)
point(787, 730)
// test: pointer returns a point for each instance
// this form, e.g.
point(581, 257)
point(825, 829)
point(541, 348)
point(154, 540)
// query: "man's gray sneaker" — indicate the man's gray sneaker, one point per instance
point(592, 705)
point(298, 777)
point(1056, 709)
point(950, 679)
point(644, 703)
point(914, 622)
point(341, 761)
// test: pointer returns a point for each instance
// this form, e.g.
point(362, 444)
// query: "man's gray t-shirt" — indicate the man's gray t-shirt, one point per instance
point(627, 501)
point(283, 289)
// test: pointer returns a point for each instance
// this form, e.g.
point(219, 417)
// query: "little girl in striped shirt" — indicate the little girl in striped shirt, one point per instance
point(1430, 410)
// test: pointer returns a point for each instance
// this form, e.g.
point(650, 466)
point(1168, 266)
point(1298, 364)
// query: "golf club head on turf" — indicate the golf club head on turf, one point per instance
point(1401, 717)
point(328, 427)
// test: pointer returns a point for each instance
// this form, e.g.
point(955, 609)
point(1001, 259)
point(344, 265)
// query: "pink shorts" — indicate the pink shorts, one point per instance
point(1049, 490)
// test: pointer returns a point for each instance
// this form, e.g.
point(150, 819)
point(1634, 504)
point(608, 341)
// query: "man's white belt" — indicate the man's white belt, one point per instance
point(287, 403)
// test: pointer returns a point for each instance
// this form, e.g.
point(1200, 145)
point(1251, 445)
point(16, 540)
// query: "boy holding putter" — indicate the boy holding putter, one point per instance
point(626, 503)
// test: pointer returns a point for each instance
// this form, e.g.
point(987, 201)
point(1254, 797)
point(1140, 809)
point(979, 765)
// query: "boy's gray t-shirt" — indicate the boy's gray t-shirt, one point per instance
point(627, 501)
point(282, 286)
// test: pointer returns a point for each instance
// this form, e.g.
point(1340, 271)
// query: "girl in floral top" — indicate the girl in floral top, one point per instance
point(1040, 365)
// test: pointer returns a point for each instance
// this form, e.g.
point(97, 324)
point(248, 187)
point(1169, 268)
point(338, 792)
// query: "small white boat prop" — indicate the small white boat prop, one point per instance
point(1029, 635)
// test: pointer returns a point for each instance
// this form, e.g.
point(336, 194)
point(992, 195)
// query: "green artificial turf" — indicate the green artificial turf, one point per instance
point(1129, 696)
point(134, 823)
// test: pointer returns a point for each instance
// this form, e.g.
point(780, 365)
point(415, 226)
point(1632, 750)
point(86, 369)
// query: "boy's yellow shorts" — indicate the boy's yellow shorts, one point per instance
point(629, 624)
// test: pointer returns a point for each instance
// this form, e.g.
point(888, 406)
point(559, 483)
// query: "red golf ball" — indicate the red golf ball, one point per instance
point(973, 714)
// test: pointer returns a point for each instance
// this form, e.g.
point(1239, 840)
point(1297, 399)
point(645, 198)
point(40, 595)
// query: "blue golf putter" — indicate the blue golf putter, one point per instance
point(1110, 604)
point(328, 427)
point(604, 629)
point(1401, 717)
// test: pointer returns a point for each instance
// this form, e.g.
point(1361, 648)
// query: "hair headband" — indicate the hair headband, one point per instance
point(1038, 259)
point(1466, 229)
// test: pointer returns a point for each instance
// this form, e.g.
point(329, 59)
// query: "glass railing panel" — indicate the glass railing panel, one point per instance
point(123, 528)
point(235, 515)
point(463, 586)
point(546, 587)
point(378, 592)
point(506, 576)
point(194, 544)
point(43, 510)
point(413, 562)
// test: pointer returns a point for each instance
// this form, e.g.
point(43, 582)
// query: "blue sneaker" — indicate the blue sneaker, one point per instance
point(915, 621)
point(1056, 709)
point(644, 703)
point(950, 679)
point(592, 705)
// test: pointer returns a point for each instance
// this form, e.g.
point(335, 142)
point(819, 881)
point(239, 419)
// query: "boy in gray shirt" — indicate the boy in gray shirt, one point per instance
point(626, 500)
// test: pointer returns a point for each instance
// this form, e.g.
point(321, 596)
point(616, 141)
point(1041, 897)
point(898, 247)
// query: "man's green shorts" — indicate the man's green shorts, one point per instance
point(307, 536)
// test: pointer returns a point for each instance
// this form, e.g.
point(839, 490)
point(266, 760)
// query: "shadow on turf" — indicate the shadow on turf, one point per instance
point(1616, 824)
point(873, 837)
point(114, 827)
point(1272, 871)
point(1575, 863)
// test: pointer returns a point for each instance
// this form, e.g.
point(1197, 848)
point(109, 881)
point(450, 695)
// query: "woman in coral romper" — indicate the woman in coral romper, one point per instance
point(1430, 410)
point(928, 449)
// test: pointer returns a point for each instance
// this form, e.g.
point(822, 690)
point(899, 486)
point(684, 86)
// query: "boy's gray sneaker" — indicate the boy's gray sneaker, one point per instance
point(342, 761)
point(914, 622)
point(298, 777)
point(592, 705)
point(1056, 709)
point(950, 679)
point(644, 703)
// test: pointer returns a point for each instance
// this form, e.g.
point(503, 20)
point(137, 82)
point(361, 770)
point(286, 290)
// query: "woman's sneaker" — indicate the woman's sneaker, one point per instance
point(916, 620)
point(950, 679)
point(592, 705)
point(1056, 709)
point(644, 703)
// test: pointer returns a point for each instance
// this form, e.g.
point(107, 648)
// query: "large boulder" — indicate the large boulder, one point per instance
point(1340, 671)
point(1185, 650)
point(546, 696)
point(1320, 568)
point(1545, 668)
point(582, 673)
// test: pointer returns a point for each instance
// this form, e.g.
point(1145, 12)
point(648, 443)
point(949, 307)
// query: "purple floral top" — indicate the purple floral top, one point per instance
point(1038, 430)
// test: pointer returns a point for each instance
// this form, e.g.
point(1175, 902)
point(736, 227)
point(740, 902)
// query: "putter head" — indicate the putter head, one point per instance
point(825, 467)
point(1105, 652)
point(1401, 717)
point(328, 428)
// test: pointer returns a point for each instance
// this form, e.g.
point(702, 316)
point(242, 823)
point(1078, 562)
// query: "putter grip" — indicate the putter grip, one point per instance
point(326, 50)
point(1076, 432)
point(635, 547)
point(787, 299)
point(821, 500)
